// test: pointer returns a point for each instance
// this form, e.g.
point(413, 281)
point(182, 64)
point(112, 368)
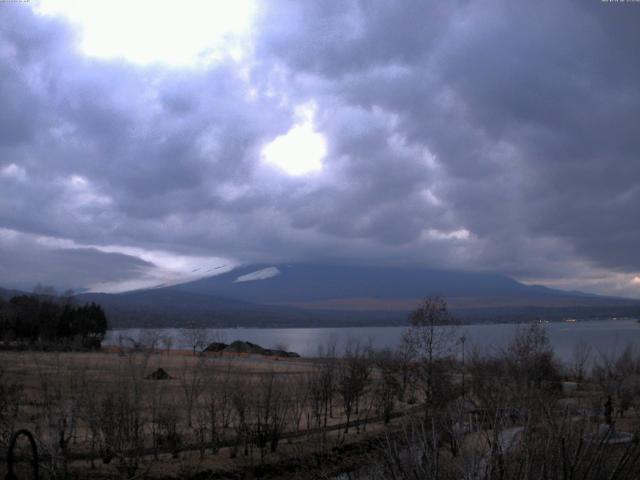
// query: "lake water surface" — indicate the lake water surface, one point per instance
point(605, 336)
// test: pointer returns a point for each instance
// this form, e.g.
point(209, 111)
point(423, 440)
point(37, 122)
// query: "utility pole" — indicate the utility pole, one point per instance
point(462, 340)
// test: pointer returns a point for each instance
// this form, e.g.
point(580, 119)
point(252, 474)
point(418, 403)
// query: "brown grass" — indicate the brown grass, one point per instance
point(102, 370)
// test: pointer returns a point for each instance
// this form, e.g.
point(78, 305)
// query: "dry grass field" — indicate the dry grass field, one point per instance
point(103, 414)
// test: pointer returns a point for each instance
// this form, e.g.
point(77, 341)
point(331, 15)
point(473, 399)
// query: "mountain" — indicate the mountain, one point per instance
point(304, 283)
point(358, 288)
point(321, 295)
point(305, 295)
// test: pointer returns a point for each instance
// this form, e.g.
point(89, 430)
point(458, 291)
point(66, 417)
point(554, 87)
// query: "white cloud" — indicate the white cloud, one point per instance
point(458, 234)
point(301, 150)
point(13, 171)
point(176, 33)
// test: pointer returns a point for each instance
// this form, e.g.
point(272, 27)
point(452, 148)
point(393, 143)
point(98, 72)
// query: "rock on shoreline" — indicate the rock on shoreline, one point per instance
point(240, 346)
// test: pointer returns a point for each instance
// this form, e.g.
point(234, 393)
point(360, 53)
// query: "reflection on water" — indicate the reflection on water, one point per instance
point(605, 336)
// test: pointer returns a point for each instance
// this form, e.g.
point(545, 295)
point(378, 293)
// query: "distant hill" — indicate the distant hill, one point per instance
point(320, 295)
point(6, 294)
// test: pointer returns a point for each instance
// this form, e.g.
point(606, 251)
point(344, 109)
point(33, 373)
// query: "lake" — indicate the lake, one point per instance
point(604, 336)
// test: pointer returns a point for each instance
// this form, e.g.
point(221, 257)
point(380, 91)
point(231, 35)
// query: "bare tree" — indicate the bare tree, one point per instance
point(150, 339)
point(88, 396)
point(192, 383)
point(60, 414)
point(387, 384)
point(580, 360)
point(404, 364)
point(218, 406)
point(122, 415)
point(619, 377)
point(196, 338)
point(269, 413)
point(353, 378)
point(10, 400)
point(531, 356)
point(322, 383)
point(518, 431)
point(432, 336)
point(167, 343)
point(164, 419)
point(413, 453)
point(240, 399)
point(298, 401)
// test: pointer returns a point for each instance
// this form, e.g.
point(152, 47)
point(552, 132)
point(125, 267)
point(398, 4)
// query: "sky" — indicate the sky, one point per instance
point(154, 142)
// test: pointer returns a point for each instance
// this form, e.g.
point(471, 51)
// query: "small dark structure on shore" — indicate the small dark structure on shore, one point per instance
point(159, 374)
point(215, 347)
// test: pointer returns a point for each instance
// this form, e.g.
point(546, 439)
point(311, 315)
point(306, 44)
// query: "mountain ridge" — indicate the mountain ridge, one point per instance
point(307, 295)
point(310, 282)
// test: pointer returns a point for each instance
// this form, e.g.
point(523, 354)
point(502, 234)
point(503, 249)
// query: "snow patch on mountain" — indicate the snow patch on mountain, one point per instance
point(263, 274)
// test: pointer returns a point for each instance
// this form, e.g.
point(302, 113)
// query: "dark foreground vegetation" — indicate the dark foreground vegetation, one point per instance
point(47, 321)
point(432, 409)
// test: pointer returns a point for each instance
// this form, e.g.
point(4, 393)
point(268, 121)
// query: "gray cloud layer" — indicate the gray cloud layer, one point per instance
point(474, 134)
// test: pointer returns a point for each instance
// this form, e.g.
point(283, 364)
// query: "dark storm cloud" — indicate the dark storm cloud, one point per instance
point(471, 134)
point(533, 122)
